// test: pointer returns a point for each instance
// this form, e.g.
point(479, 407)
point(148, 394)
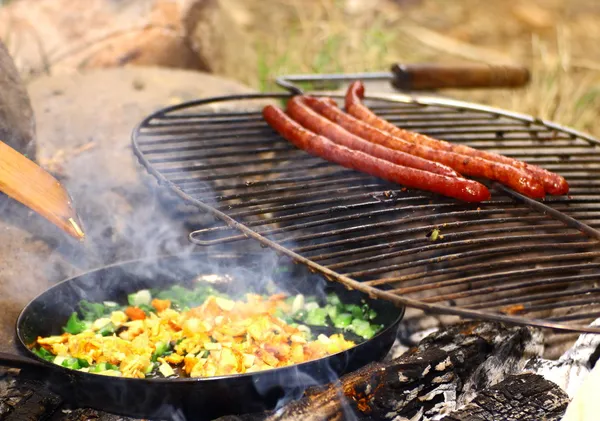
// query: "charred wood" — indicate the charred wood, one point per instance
point(26, 400)
point(442, 372)
point(525, 397)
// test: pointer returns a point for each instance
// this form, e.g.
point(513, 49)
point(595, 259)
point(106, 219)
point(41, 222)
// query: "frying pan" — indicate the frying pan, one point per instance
point(187, 398)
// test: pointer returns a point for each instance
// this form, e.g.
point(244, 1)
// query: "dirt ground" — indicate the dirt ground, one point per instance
point(555, 39)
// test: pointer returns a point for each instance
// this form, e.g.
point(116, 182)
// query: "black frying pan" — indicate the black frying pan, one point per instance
point(185, 398)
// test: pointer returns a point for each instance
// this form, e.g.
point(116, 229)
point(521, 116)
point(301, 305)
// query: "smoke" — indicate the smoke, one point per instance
point(126, 215)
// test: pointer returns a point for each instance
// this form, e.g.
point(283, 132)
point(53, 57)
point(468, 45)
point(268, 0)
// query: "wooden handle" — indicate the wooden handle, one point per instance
point(28, 183)
point(436, 76)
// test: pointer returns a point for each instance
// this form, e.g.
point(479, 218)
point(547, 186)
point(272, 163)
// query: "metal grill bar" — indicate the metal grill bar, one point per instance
point(509, 259)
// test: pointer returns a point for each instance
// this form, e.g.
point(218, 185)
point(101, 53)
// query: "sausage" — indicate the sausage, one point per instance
point(459, 188)
point(318, 124)
point(515, 178)
point(553, 183)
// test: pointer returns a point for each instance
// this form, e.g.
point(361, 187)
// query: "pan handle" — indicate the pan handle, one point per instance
point(439, 76)
point(18, 361)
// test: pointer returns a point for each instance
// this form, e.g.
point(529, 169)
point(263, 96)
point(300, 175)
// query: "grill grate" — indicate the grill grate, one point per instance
point(510, 259)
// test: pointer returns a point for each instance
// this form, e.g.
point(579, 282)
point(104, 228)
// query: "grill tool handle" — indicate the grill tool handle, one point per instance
point(418, 77)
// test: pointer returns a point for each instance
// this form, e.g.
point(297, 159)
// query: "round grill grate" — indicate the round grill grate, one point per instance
point(510, 259)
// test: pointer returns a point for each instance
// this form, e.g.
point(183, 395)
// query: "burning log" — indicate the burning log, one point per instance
point(442, 373)
point(526, 397)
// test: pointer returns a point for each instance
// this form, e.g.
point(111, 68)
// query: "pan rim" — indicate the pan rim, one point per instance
point(128, 380)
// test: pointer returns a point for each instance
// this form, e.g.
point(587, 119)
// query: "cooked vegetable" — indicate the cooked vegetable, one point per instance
point(135, 313)
point(74, 325)
point(92, 311)
point(44, 354)
point(107, 329)
point(161, 348)
point(142, 297)
point(200, 332)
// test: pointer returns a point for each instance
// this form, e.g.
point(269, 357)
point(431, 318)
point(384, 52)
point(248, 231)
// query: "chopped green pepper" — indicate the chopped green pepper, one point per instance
point(43, 353)
point(355, 310)
point(103, 367)
point(332, 311)
point(316, 317)
point(342, 320)
point(72, 363)
point(75, 326)
point(363, 328)
point(372, 314)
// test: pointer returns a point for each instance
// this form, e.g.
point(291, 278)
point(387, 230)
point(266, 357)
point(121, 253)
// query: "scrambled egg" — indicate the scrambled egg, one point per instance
point(219, 337)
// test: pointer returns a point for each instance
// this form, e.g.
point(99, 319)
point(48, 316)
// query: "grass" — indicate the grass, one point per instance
point(555, 39)
point(324, 36)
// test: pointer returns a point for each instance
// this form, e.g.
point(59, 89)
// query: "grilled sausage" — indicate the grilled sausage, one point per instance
point(318, 124)
point(459, 188)
point(515, 178)
point(553, 183)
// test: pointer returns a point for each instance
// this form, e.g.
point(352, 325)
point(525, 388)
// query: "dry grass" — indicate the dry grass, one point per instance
point(556, 39)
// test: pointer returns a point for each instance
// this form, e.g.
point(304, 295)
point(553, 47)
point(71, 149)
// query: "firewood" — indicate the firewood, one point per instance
point(526, 397)
point(442, 373)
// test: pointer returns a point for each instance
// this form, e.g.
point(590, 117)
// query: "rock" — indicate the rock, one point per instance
point(116, 199)
point(159, 42)
point(56, 36)
point(17, 125)
point(218, 40)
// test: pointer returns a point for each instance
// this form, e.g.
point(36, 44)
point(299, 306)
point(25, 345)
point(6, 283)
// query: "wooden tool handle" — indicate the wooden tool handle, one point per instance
point(465, 76)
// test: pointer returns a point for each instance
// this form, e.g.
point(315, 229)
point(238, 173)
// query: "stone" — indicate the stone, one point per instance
point(121, 206)
point(17, 125)
point(61, 36)
point(219, 40)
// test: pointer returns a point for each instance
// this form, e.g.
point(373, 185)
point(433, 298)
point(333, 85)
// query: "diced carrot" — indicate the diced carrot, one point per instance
point(135, 313)
point(161, 305)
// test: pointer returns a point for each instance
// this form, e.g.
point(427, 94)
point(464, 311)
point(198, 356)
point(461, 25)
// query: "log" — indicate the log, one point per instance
point(526, 397)
point(436, 377)
point(25, 400)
